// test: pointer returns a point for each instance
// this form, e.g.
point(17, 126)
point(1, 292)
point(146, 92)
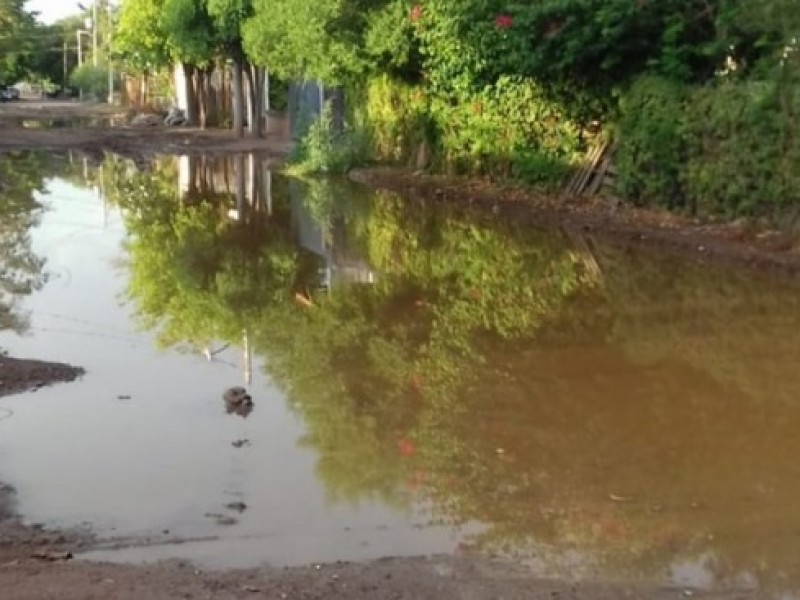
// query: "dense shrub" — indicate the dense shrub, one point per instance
point(743, 149)
point(399, 118)
point(650, 142)
point(511, 128)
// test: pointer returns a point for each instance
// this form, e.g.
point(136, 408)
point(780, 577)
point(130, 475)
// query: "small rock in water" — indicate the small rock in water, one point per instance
point(237, 506)
point(222, 519)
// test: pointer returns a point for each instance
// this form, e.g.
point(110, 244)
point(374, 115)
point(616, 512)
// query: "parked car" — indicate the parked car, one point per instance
point(8, 94)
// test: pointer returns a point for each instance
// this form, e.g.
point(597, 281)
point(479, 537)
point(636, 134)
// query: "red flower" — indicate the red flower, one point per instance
point(416, 13)
point(504, 21)
point(406, 448)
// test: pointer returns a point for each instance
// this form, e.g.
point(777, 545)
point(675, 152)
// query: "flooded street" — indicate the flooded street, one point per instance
point(426, 378)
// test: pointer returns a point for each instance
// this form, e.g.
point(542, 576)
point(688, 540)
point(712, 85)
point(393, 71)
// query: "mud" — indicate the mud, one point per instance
point(37, 564)
point(22, 375)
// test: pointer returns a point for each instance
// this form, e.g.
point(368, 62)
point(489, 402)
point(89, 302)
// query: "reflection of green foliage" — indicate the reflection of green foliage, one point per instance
point(194, 276)
point(381, 359)
point(21, 270)
point(505, 375)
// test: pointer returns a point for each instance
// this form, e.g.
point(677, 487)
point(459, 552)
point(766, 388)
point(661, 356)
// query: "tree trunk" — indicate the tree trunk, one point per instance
point(248, 98)
point(256, 77)
point(191, 94)
point(210, 96)
point(238, 95)
point(203, 94)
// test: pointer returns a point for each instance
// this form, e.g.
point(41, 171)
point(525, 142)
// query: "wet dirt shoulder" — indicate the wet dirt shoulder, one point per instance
point(390, 579)
point(737, 244)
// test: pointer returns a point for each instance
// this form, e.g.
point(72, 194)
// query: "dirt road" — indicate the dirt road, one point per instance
point(97, 128)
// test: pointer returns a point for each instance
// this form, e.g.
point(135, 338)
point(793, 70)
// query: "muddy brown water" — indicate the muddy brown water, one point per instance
point(426, 379)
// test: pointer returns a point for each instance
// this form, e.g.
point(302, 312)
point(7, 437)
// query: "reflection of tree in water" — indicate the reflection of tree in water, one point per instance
point(21, 270)
point(200, 272)
point(603, 403)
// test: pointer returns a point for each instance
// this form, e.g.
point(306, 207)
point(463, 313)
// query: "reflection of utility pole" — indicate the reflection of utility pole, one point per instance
point(102, 193)
point(247, 358)
point(268, 189)
point(251, 181)
point(240, 187)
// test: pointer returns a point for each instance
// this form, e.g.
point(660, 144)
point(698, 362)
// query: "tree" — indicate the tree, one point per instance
point(308, 38)
point(228, 16)
point(140, 38)
point(16, 43)
point(192, 42)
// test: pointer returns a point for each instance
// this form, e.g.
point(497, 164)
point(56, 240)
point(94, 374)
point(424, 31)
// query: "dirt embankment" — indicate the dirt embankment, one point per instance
point(738, 244)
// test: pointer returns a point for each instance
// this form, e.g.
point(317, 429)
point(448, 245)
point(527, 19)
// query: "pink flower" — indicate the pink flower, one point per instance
point(416, 13)
point(504, 21)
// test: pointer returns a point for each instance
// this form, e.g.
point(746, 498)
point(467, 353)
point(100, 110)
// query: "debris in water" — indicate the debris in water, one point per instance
point(240, 443)
point(52, 555)
point(238, 401)
point(616, 498)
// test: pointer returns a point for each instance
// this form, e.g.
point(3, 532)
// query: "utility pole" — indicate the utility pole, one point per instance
point(110, 70)
point(66, 68)
point(94, 33)
point(80, 59)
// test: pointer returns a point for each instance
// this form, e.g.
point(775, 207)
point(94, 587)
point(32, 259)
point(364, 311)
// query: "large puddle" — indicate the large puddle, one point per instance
point(427, 379)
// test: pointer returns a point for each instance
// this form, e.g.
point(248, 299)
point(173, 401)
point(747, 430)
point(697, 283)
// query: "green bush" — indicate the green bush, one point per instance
point(324, 150)
point(91, 80)
point(742, 147)
point(651, 144)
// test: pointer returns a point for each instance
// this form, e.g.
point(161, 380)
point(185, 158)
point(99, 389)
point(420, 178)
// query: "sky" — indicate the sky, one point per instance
point(53, 10)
